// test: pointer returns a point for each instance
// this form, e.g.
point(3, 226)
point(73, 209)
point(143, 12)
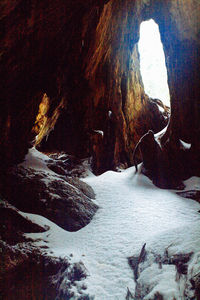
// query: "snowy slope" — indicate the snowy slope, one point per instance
point(132, 212)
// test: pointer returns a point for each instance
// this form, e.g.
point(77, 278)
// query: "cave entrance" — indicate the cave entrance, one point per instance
point(152, 62)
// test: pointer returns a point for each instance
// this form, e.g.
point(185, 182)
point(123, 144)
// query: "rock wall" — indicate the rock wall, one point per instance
point(113, 71)
point(115, 112)
point(42, 44)
point(179, 27)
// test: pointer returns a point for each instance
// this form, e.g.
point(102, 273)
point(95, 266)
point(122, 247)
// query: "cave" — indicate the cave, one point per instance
point(77, 122)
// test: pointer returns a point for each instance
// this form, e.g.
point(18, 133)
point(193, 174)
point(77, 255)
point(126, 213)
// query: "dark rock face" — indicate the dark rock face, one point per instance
point(51, 48)
point(38, 38)
point(197, 286)
point(66, 202)
point(124, 112)
point(26, 270)
point(161, 164)
point(182, 60)
point(28, 273)
point(68, 165)
point(13, 225)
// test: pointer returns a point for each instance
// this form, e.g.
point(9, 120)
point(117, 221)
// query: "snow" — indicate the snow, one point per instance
point(166, 284)
point(132, 212)
point(100, 132)
point(185, 146)
point(193, 183)
point(109, 113)
point(36, 160)
point(161, 109)
point(161, 133)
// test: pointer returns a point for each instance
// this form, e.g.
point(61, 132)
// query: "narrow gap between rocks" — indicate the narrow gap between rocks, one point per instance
point(152, 62)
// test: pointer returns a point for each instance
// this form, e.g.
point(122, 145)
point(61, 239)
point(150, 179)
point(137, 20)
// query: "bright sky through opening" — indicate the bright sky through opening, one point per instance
point(152, 62)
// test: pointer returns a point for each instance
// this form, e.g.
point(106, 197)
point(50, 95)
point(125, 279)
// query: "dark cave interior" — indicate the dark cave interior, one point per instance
point(71, 82)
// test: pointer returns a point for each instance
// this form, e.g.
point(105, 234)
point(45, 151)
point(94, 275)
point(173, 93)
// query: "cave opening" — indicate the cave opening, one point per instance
point(152, 62)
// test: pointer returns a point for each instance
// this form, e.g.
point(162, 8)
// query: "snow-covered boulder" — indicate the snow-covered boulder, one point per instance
point(64, 200)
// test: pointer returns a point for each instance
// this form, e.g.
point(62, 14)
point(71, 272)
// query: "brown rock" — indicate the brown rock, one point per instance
point(26, 272)
point(69, 206)
point(13, 225)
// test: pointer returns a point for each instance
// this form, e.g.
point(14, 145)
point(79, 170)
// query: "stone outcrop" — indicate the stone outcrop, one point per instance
point(27, 272)
point(53, 50)
point(65, 201)
point(13, 225)
point(179, 26)
point(41, 52)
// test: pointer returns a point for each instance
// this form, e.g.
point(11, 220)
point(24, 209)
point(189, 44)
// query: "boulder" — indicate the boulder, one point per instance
point(28, 273)
point(65, 201)
point(13, 224)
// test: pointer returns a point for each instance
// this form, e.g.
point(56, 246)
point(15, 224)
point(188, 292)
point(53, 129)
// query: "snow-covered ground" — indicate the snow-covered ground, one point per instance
point(132, 212)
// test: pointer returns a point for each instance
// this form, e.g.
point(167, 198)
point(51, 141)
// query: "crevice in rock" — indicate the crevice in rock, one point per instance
point(152, 62)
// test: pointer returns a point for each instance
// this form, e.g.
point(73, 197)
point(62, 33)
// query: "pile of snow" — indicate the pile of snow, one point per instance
point(132, 212)
point(36, 160)
point(184, 145)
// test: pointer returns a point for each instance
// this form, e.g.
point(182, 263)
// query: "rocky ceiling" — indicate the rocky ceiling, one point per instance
point(83, 56)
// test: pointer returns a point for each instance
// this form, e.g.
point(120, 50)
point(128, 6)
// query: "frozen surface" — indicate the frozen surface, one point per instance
point(132, 211)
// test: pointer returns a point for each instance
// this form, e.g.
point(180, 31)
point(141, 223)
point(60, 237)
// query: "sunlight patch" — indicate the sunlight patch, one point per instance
point(152, 62)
